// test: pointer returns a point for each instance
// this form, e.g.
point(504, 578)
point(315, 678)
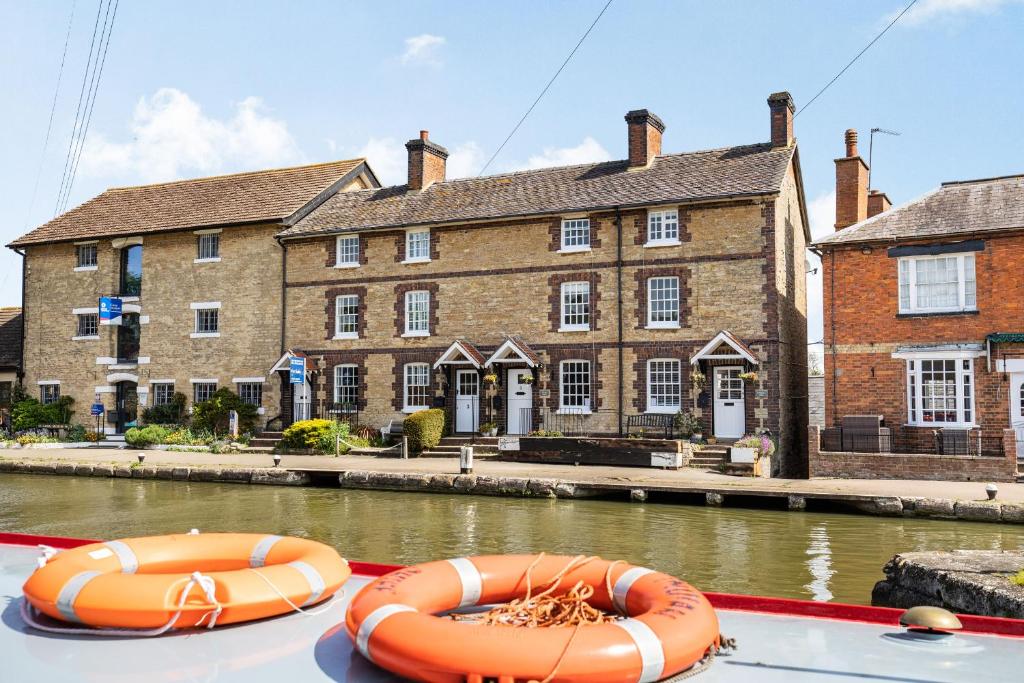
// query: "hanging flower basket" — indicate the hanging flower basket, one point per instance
point(526, 379)
point(490, 378)
point(748, 376)
point(697, 380)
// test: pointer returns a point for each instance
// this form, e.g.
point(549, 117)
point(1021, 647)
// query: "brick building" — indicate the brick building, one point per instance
point(592, 292)
point(199, 270)
point(10, 358)
point(924, 310)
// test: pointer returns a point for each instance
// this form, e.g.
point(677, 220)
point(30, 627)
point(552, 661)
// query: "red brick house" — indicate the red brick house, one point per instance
point(924, 313)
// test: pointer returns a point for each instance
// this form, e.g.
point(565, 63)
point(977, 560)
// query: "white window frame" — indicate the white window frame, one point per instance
point(573, 232)
point(208, 235)
point(78, 336)
point(205, 306)
point(662, 324)
point(341, 251)
point(663, 228)
point(411, 237)
point(410, 301)
point(965, 405)
point(338, 372)
point(338, 322)
point(580, 409)
point(566, 312)
point(410, 372)
point(907, 277)
point(652, 399)
point(250, 384)
point(79, 268)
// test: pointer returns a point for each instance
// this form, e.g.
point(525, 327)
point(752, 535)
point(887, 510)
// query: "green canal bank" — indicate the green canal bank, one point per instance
point(893, 498)
point(812, 555)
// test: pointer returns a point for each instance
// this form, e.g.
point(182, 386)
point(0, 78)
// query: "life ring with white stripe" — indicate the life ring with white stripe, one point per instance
point(140, 583)
point(666, 625)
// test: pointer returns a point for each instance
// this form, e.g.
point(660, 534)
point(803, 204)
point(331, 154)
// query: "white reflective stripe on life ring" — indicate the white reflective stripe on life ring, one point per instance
point(69, 591)
point(316, 582)
point(129, 563)
point(472, 582)
point(652, 656)
point(372, 621)
point(258, 557)
point(625, 582)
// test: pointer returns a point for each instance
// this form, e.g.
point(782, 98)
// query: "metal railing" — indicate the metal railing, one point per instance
point(912, 441)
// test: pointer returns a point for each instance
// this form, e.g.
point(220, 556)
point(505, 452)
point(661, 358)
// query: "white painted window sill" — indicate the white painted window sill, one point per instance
point(573, 411)
point(212, 259)
point(933, 311)
point(573, 250)
point(416, 260)
point(414, 409)
point(662, 243)
point(347, 335)
point(662, 411)
point(128, 299)
point(663, 326)
point(572, 328)
point(204, 335)
point(84, 269)
point(87, 337)
point(941, 425)
point(346, 265)
point(415, 334)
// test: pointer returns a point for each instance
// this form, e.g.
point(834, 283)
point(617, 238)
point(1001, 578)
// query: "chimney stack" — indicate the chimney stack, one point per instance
point(426, 162)
point(877, 203)
point(851, 185)
point(645, 131)
point(782, 109)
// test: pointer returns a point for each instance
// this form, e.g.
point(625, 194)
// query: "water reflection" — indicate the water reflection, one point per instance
point(805, 555)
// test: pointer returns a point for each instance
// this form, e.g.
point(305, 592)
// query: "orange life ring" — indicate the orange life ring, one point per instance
point(138, 583)
point(668, 626)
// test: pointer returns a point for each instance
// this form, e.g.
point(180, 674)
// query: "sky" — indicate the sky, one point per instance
point(195, 88)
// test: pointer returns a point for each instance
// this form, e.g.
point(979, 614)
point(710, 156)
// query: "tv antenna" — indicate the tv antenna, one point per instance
point(871, 146)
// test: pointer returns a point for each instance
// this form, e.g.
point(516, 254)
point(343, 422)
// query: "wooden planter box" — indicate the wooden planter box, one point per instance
point(561, 450)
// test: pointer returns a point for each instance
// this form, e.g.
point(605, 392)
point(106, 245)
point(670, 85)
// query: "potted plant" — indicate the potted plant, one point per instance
point(526, 379)
point(748, 376)
point(698, 381)
point(490, 378)
point(757, 450)
point(689, 426)
point(489, 428)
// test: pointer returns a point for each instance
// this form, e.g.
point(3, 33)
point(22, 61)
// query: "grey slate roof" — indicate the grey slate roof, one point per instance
point(10, 337)
point(711, 174)
point(960, 208)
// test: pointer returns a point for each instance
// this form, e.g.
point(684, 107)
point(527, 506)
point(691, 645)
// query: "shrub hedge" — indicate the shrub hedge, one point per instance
point(424, 429)
point(212, 415)
point(166, 413)
point(140, 437)
point(307, 434)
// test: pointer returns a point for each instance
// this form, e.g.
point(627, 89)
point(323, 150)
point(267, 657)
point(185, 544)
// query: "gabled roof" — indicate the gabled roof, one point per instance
point(733, 172)
point(254, 197)
point(514, 349)
point(463, 349)
point(10, 337)
point(956, 209)
point(741, 350)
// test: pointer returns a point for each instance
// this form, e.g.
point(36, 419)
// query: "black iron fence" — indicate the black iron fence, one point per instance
point(912, 441)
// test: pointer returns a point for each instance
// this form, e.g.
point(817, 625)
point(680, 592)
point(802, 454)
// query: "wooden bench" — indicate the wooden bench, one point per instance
point(653, 422)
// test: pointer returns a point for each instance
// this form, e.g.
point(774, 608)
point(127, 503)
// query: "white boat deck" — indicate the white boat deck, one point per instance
point(300, 648)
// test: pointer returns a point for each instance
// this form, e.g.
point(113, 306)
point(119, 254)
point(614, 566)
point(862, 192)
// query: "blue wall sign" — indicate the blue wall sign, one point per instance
point(296, 370)
point(96, 409)
point(110, 310)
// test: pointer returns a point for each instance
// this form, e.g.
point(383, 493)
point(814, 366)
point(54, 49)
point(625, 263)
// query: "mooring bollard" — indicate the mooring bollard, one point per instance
point(405, 448)
point(466, 460)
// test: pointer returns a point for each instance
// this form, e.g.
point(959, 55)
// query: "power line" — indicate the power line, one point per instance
point(92, 103)
point(49, 125)
point(866, 48)
point(78, 110)
point(542, 92)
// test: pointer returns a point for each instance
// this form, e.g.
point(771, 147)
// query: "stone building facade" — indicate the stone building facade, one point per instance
point(588, 294)
point(924, 311)
point(199, 272)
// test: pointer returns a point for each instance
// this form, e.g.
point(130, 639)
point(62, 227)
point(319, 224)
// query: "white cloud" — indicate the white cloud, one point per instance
point(423, 49)
point(387, 158)
point(465, 160)
point(588, 151)
point(928, 10)
point(172, 137)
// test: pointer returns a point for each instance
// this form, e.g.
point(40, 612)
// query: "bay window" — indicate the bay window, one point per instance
point(940, 392)
point(937, 284)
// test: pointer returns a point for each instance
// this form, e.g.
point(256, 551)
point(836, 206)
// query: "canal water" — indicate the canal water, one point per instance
point(809, 555)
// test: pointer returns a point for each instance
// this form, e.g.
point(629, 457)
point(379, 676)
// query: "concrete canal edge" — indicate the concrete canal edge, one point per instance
point(540, 487)
point(964, 581)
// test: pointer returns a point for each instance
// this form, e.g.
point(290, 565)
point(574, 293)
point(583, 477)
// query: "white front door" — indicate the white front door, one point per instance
point(730, 420)
point(520, 402)
point(467, 401)
point(1017, 409)
point(302, 395)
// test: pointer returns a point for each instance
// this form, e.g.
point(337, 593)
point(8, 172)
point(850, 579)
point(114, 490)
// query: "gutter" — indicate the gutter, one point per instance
point(284, 289)
point(618, 303)
point(24, 327)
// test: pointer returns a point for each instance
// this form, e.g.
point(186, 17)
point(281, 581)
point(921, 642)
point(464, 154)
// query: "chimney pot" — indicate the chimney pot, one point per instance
point(645, 129)
point(782, 110)
point(424, 135)
point(851, 142)
point(426, 162)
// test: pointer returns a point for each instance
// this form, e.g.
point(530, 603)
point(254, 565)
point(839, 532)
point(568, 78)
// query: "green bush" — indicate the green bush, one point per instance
point(212, 414)
point(308, 434)
point(338, 430)
point(76, 434)
point(28, 413)
point(140, 437)
point(424, 429)
point(166, 413)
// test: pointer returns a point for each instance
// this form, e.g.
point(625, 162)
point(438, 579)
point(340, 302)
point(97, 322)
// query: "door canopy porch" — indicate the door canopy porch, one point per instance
point(514, 350)
point(461, 352)
point(725, 346)
point(282, 364)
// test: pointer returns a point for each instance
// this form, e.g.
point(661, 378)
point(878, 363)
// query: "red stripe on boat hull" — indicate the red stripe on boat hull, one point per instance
point(835, 611)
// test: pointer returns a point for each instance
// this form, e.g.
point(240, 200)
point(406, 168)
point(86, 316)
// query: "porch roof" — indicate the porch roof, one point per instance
point(1006, 338)
point(464, 349)
point(282, 362)
point(742, 351)
point(513, 350)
